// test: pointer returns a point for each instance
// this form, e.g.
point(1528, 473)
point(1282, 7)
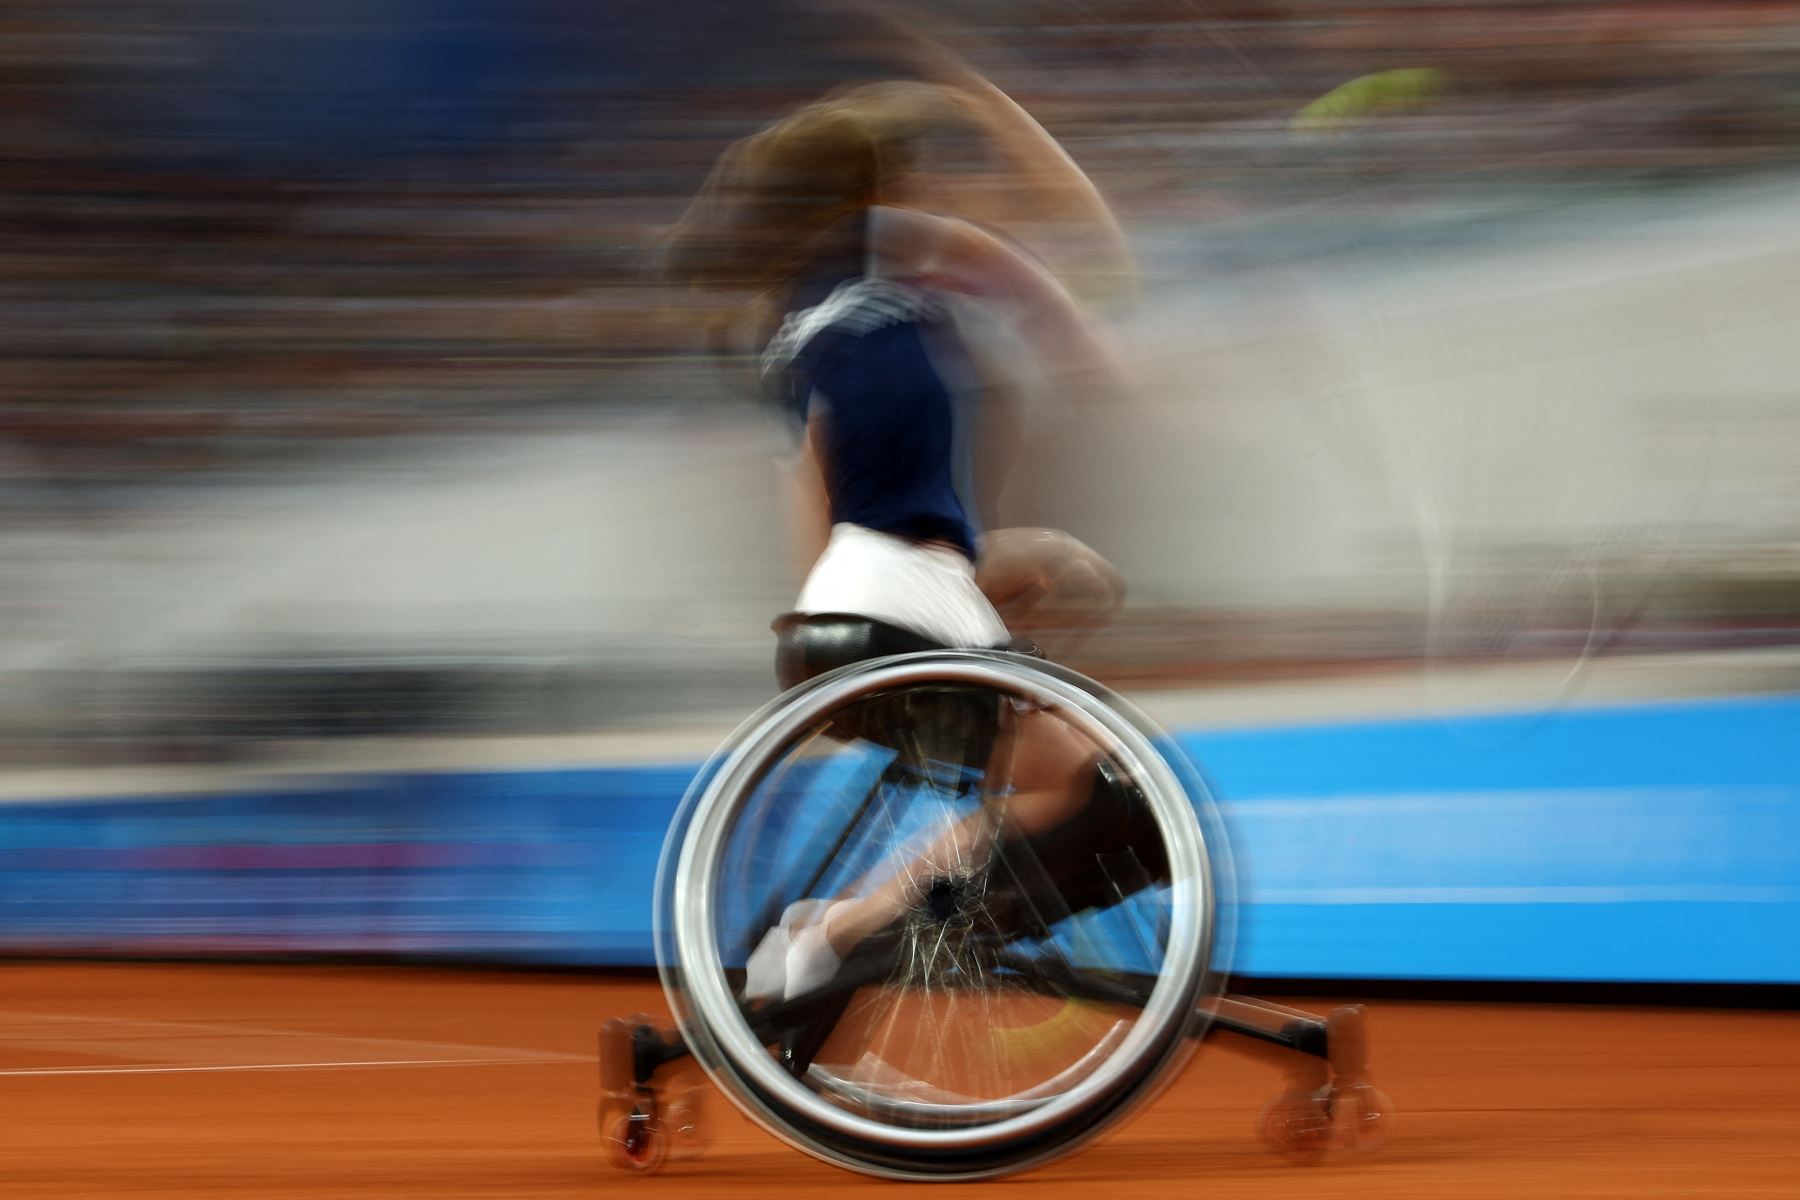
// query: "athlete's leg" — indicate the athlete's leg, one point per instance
point(1047, 770)
point(1041, 774)
point(1047, 584)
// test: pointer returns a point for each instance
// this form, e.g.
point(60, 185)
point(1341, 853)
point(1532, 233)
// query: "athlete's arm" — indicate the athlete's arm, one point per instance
point(1055, 188)
point(1060, 191)
point(959, 257)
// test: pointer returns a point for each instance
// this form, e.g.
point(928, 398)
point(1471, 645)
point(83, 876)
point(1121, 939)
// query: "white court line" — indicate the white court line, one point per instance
point(301, 1066)
point(490, 1053)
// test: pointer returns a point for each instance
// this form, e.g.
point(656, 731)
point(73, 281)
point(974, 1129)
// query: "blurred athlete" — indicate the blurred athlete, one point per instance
point(832, 219)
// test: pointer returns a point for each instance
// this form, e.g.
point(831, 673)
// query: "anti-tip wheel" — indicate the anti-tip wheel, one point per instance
point(1364, 1114)
point(636, 1143)
point(1297, 1125)
point(683, 1122)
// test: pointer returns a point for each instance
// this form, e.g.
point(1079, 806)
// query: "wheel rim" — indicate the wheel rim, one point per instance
point(710, 1017)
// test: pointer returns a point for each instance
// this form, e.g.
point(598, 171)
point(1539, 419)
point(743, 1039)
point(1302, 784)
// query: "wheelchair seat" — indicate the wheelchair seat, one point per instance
point(810, 644)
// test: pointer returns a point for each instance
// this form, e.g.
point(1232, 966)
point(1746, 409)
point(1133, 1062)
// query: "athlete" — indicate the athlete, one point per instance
point(831, 218)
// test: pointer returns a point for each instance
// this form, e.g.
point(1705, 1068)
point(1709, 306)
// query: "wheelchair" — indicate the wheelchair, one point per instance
point(1033, 992)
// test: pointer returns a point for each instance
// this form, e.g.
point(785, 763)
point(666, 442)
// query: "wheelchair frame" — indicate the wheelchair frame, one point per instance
point(1324, 1058)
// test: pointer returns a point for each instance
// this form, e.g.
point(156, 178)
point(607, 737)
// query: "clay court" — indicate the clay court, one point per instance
point(285, 1081)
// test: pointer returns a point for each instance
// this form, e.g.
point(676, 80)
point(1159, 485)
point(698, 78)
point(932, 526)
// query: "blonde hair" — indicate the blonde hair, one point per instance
point(772, 196)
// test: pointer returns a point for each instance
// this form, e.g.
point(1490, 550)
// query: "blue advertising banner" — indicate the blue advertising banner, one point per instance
point(1650, 843)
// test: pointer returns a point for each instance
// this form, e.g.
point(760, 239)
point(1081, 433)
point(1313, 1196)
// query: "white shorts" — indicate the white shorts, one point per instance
point(927, 589)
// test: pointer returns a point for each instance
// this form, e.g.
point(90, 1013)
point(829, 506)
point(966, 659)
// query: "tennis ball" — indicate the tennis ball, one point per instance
point(1402, 90)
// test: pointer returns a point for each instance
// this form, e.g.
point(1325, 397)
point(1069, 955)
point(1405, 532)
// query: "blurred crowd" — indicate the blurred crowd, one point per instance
point(233, 229)
point(235, 235)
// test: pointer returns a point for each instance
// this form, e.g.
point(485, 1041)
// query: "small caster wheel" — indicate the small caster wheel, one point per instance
point(1363, 1113)
point(638, 1144)
point(1297, 1125)
point(608, 1113)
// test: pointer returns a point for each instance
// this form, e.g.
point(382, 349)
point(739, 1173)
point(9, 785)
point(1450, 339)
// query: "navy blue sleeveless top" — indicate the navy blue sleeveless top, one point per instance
point(866, 353)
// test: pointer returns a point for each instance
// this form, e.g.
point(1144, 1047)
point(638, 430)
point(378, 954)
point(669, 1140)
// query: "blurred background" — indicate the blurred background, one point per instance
point(340, 396)
point(342, 401)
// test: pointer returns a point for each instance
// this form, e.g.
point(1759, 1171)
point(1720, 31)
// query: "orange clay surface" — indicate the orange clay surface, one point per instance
point(270, 1082)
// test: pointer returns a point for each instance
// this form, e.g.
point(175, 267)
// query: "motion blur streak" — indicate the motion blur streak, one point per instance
point(386, 534)
point(343, 396)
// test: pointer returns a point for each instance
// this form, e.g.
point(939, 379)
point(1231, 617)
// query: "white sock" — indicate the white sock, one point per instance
point(765, 976)
point(811, 962)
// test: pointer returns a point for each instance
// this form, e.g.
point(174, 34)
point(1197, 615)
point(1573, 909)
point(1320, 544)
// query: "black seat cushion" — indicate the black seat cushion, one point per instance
point(945, 723)
point(809, 644)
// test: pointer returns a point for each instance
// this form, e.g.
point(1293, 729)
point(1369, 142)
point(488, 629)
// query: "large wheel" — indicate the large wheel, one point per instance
point(1035, 989)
